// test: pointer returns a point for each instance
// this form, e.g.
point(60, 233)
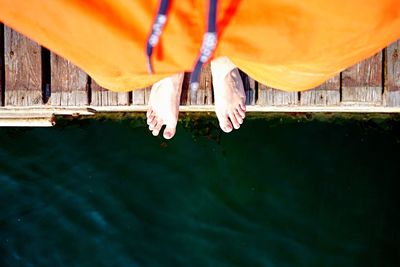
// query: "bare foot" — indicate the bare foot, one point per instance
point(163, 107)
point(230, 98)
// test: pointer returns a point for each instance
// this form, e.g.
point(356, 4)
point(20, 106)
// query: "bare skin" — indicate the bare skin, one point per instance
point(163, 107)
point(230, 98)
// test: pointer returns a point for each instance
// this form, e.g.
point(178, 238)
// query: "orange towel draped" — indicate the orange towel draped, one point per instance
point(286, 44)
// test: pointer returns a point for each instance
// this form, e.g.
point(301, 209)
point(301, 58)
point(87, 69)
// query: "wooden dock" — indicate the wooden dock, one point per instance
point(37, 84)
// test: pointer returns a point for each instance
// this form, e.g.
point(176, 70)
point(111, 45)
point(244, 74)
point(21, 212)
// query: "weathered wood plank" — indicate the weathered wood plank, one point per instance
point(362, 83)
point(204, 93)
point(185, 94)
point(268, 96)
point(104, 97)
point(147, 92)
point(250, 88)
point(23, 73)
point(141, 96)
point(327, 94)
point(392, 76)
point(68, 83)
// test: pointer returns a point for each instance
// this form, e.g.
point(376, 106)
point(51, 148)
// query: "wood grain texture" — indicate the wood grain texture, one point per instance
point(392, 75)
point(141, 96)
point(104, 97)
point(68, 83)
point(268, 96)
point(250, 88)
point(204, 93)
point(327, 94)
point(147, 92)
point(362, 83)
point(23, 74)
point(185, 94)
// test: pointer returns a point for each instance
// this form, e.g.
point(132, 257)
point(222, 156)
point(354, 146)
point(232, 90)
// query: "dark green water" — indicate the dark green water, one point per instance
point(279, 192)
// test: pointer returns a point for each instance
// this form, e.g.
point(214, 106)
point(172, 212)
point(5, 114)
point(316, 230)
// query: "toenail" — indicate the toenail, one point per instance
point(167, 135)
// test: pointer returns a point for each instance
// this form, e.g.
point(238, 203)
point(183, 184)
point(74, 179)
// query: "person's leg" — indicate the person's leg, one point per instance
point(163, 107)
point(230, 98)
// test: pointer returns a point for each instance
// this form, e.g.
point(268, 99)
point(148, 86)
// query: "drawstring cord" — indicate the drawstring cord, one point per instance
point(156, 32)
point(208, 46)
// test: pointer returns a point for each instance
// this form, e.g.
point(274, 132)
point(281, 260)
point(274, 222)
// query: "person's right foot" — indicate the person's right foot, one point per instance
point(230, 98)
point(163, 107)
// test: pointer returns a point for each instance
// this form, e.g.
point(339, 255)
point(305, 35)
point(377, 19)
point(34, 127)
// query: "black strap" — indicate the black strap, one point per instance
point(210, 39)
point(156, 32)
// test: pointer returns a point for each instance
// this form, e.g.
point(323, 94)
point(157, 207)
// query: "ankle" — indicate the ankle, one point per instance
point(221, 66)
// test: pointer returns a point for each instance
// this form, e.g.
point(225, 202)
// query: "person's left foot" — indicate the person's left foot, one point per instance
point(163, 107)
point(230, 98)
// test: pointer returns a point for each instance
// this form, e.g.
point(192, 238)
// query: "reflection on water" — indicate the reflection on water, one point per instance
point(283, 191)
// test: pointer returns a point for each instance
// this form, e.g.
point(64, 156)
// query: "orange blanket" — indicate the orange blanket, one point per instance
point(286, 44)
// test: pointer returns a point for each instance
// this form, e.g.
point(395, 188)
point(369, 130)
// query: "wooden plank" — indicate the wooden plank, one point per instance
point(210, 108)
point(23, 74)
point(250, 88)
point(185, 94)
point(141, 96)
point(392, 75)
point(104, 97)
point(204, 93)
point(268, 96)
point(147, 92)
point(68, 83)
point(327, 94)
point(362, 83)
point(138, 97)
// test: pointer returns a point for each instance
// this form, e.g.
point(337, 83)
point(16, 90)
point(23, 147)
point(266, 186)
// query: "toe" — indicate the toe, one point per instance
point(151, 120)
point(150, 116)
point(234, 121)
point(169, 132)
point(156, 129)
point(241, 113)
point(238, 117)
point(242, 107)
point(152, 123)
point(149, 112)
point(170, 129)
point(225, 125)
